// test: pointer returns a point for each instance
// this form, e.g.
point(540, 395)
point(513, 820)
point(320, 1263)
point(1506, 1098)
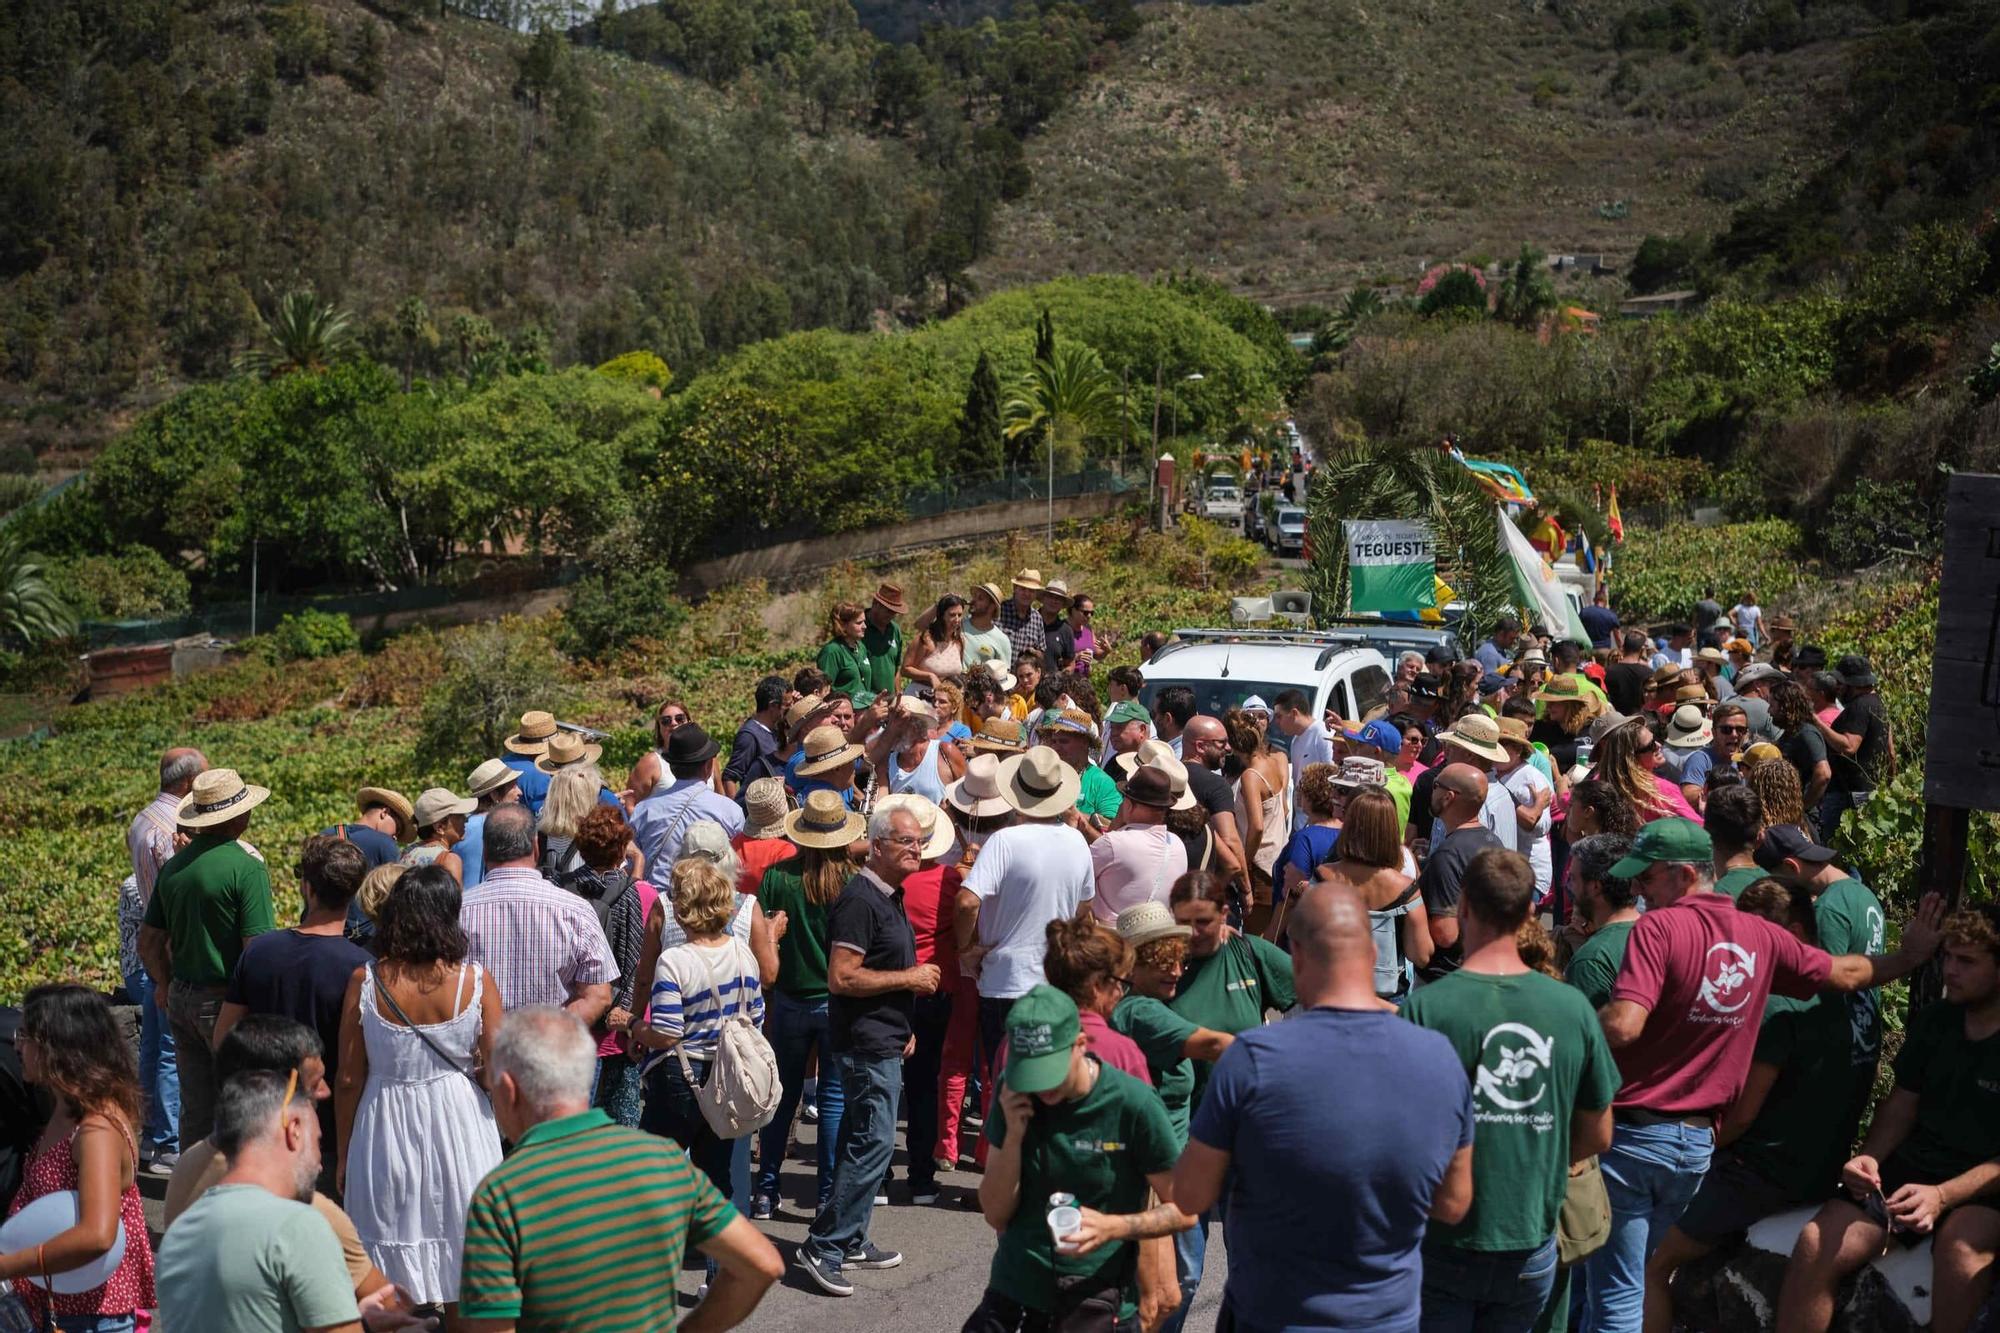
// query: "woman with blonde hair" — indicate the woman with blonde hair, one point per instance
point(1776, 783)
point(936, 653)
point(844, 658)
point(1262, 792)
point(379, 883)
point(572, 793)
point(1629, 759)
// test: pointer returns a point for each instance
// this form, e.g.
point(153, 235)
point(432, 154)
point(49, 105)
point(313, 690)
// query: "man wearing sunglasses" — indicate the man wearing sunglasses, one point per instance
point(1729, 728)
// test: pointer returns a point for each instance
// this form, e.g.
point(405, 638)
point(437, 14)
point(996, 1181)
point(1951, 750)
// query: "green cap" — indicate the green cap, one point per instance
point(1041, 1029)
point(1127, 710)
point(1680, 841)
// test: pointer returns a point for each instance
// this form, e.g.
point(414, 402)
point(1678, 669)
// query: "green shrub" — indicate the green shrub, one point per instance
point(137, 583)
point(493, 674)
point(1660, 573)
point(309, 635)
point(609, 609)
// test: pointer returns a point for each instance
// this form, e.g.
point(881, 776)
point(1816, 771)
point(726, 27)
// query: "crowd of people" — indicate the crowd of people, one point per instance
point(1490, 1010)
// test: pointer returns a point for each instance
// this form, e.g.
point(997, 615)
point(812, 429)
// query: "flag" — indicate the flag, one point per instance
point(1442, 595)
point(1536, 585)
point(1613, 519)
point(1391, 565)
point(1549, 536)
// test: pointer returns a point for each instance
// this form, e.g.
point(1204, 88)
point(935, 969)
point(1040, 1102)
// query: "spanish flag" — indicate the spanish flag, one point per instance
point(1613, 519)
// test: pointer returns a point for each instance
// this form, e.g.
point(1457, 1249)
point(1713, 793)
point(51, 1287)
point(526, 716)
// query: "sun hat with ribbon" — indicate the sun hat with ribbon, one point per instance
point(436, 803)
point(1150, 786)
point(991, 590)
point(1477, 734)
point(1688, 728)
point(1361, 771)
point(764, 806)
point(533, 737)
point(1663, 675)
point(824, 822)
point(1514, 731)
point(490, 776)
point(395, 803)
point(1713, 654)
point(1562, 689)
point(1071, 720)
point(219, 796)
point(978, 793)
point(802, 708)
point(1039, 784)
point(939, 835)
point(567, 749)
point(1001, 736)
point(1142, 923)
point(826, 749)
point(1056, 590)
point(1690, 694)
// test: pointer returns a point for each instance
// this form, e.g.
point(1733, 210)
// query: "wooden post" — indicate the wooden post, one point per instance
point(1940, 869)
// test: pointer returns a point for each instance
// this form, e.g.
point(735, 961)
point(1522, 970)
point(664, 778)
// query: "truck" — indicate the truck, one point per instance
point(1222, 502)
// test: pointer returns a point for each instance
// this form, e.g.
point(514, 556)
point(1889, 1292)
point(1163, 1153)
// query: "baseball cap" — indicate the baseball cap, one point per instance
point(1379, 734)
point(1679, 841)
point(1492, 683)
point(1041, 1029)
point(1788, 842)
point(1127, 710)
point(1254, 704)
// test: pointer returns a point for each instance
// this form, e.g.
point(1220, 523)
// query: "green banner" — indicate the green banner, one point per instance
point(1391, 565)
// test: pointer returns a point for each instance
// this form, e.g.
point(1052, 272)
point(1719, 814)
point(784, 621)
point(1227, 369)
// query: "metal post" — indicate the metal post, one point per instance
point(1159, 369)
point(253, 587)
point(1052, 492)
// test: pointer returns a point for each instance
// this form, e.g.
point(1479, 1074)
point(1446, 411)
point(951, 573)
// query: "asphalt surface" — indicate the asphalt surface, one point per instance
point(946, 1250)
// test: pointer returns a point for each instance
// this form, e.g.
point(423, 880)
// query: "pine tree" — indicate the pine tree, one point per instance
point(1045, 337)
point(979, 441)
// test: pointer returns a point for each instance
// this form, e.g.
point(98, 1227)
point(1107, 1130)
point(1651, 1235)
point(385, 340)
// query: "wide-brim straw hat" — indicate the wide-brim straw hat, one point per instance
point(803, 707)
point(939, 835)
point(533, 737)
point(764, 808)
point(398, 805)
point(567, 749)
point(491, 775)
point(1142, 923)
point(1514, 731)
point(826, 749)
point(824, 822)
point(1159, 755)
point(1030, 579)
point(978, 793)
point(991, 590)
point(1000, 736)
point(219, 796)
point(1478, 734)
point(438, 803)
point(1039, 784)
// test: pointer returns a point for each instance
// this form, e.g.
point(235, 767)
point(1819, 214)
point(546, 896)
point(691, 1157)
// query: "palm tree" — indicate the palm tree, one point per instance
point(1527, 293)
point(1377, 481)
point(1070, 401)
point(1362, 304)
point(303, 334)
point(30, 611)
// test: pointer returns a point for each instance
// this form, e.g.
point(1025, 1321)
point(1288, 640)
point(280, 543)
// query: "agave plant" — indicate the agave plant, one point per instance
point(1070, 401)
point(304, 333)
point(30, 610)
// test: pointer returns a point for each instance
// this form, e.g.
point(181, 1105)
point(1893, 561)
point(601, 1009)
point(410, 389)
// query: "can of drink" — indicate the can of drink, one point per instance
point(1064, 1219)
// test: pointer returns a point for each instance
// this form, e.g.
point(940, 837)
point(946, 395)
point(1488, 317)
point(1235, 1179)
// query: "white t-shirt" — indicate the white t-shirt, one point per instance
point(1497, 815)
point(1135, 864)
point(1312, 746)
point(1026, 876)
point(1524, 784)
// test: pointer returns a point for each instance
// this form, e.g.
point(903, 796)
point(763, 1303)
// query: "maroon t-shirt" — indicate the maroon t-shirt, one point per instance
point(1703, 970)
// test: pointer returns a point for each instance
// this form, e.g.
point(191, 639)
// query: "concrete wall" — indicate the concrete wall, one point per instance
point(794, 562)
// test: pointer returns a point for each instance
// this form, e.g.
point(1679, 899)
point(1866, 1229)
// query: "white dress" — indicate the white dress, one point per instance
point(423, 1140)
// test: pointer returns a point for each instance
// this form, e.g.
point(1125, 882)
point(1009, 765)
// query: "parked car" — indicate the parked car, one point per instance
point(1222, 503)
point(1335, 670)
point(1287, 534)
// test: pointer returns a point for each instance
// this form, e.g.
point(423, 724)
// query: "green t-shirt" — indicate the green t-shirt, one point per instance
point(1229, 990)
point(576, 1227)
point(1593, 968)
point(1101, 1148)
point(1535, 1052)
point(1849, 919)
point(243, 1260)
point(1162, 1037)
point(210, 897)
point(885, 655)
point(1735, 881)
point(848, 670)
point(1099, 794)
point(1804, 1131)
point(802, 948)
point(1400, 792)
point(1957, 1082)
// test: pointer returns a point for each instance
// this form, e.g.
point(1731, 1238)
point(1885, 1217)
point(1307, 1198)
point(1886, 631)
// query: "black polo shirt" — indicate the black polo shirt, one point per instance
point(868, 919)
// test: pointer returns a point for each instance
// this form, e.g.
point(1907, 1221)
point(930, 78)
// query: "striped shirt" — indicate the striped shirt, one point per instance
point(583, 1227)
point(537, 941)
point(694, 986)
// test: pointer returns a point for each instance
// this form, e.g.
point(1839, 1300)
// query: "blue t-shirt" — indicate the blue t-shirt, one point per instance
point(1488, 655)
point(471, 849)
point(534, 783)
point(1695, 766)
point(1310, 848)
point(1600, 622)
point(1404, 1106)
point(801, 786)
point(377, 847)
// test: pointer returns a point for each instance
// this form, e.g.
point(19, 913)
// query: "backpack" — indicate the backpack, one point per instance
point(741, 1095)
point(1386, 925)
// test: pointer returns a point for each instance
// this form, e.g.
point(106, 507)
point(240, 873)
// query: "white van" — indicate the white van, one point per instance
point(1225, 667)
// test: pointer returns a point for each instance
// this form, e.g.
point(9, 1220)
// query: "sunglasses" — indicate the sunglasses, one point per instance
point(672, 719)
point(1650, 747)
point(1732, 731)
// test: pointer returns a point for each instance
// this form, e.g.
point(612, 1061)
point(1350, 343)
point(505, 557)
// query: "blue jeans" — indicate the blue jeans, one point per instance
point(1474, 1291)
point(159, 1075)
point(1650, 1172)
point(96, 1323)
point(794, 1027)
point(617, 1092)
point(871, 1085)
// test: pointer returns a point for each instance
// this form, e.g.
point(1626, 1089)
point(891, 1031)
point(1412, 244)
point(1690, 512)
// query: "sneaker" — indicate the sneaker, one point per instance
point(163, 1163)
point(811, 1114)
point(865, 1255)
point(923, 1195)
point(881, 1201)
point(973, 1120)
point(760, 1208)
point(701, 1293)
point(826, 1279)
point(943, 1164)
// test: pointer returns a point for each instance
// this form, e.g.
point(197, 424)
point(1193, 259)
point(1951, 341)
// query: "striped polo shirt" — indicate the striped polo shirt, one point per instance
point(584, 1227)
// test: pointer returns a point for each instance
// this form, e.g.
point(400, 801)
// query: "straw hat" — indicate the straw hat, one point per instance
point(991, 590)
point(398, 805)
point(1688, 729)
point(438, 804)
point(1030, 579)
point(1360, 771)
point(1687, 694)
point(1177, 775)
point(764, 807)
point(1073, 720)
point(1663, 676)
point(533, 737)
point(1478, 734)
point(219, 796)
point(1145, 922)
point(826, 749)
point(1001, 735)
point(1039, 784)
point(1712, 654)
point(490, 776)
point(1001, 675)
point(1565, 688)
point(890, 597)
point(939, 835)
point(825, 822)
point(978, 792)
point(1056, 590)
point(1758, 752)
point(567, 749)
point(802, 708)
point(1514, 731)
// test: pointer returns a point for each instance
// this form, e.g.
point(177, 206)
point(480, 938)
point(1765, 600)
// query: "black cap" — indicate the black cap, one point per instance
point(1788, 842)
point(689, 744)
point(1426, 686)
point(1440, 654)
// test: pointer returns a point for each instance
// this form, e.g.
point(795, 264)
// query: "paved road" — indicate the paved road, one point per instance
point(946, 1249)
